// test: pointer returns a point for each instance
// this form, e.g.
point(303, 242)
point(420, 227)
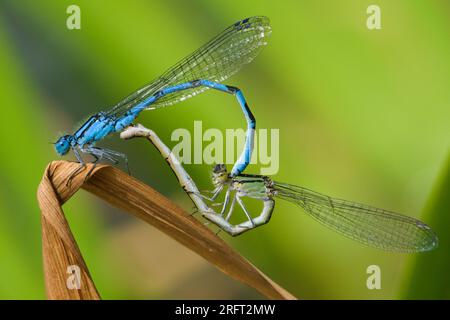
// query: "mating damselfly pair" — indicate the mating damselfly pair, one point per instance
point(207, 68)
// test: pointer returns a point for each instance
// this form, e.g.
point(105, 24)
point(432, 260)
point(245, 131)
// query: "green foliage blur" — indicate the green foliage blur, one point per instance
point(363, 115)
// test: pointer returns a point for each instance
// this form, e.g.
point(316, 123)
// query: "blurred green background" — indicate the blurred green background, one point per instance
point(363, 115)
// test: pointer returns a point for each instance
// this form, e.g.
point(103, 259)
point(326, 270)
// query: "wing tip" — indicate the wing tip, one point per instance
point(255, 21)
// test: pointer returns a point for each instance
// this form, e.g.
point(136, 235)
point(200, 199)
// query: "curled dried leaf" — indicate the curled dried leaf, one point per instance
point(60, 249)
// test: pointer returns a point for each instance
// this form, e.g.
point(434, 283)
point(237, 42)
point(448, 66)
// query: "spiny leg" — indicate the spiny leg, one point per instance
point(107, 154)
point(92, 168)
point(215, 193)
point(241, 203)
point(112, 153)
point(226, 201)
point(96, 154)
point(207, 191)
point(200, 194)
point(216, 204)
point(75, 172)
point(214, 196)
point(230, 212)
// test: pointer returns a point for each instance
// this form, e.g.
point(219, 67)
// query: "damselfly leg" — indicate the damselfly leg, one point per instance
point(212, 198)
point(234, 194)
point(241, 203)
point(80, 168)
point(110, 155)
point(98, 154)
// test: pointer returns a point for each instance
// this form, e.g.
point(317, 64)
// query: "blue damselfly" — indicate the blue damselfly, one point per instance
point(205, 68)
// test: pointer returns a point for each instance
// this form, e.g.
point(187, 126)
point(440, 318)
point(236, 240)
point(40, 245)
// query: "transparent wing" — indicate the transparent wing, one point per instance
point(372, 226)
point(217, 60)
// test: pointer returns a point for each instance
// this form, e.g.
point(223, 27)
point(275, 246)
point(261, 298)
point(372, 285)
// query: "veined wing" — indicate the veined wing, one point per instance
point(372, 226)
point(217, 60)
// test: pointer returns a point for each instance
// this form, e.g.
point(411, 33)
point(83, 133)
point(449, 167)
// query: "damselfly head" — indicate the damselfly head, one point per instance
point(219, 168)
point(62, 146)
point(219, 174)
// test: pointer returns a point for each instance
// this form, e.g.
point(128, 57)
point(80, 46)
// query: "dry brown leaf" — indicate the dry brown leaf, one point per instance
point(60, 249)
